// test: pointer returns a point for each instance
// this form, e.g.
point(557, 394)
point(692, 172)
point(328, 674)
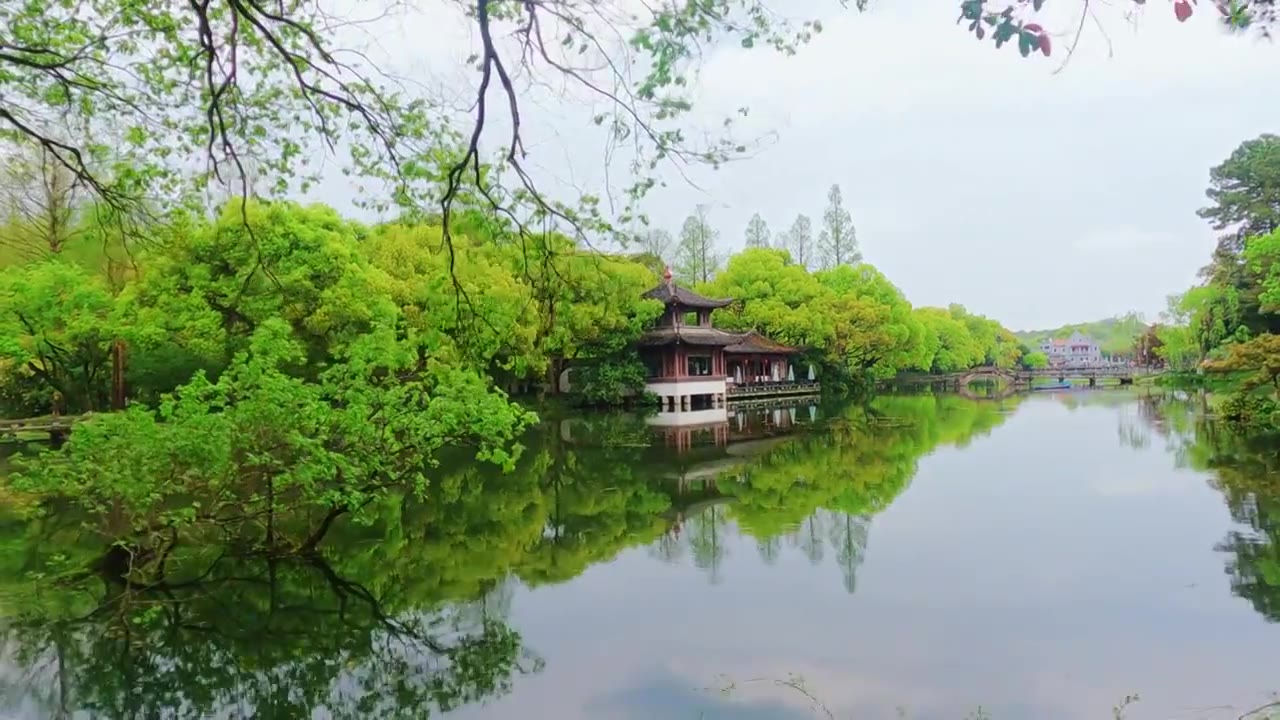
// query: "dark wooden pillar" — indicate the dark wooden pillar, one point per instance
point(117, 375)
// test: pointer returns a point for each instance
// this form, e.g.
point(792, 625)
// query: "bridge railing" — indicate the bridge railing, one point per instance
point(985, 372)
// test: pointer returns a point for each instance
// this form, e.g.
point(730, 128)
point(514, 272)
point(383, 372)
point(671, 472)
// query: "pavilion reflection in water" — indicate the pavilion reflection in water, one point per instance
point(709, 453)
point(703, 463)
point(732, 426)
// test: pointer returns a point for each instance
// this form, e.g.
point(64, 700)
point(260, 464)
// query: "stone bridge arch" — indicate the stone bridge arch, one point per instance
point(986, 373)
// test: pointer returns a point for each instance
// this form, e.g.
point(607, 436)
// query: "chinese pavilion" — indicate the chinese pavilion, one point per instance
point(692, 365)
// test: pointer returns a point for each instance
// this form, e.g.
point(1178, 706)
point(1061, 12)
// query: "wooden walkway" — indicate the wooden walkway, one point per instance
point(56, 427)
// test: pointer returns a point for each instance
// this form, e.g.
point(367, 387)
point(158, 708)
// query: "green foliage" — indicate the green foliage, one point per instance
point(999, 346)
point(1230, 322)
point(611, 380)
point(406, 611)
point(1035, 360)
point(1260, 355)
point(200, 300)
point(56, 330)
point(1262, 255)
point(960, 340)
point(1245, 468)
point(1244, 189)
point(201, 296)
point(1251, 413)
point(1238, 298)
point(223, 455)
point(853, 321)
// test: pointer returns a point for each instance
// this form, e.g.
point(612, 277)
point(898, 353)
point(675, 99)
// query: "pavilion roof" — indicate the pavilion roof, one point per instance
point(672, 294)
point(704, 336)
point(753, 342)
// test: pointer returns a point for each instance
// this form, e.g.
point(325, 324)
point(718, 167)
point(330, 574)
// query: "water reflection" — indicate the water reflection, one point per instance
point(412, 613)
point(1247, 473)
point(257, 637)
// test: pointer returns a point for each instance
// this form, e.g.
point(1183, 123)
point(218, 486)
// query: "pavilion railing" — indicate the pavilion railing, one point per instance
point(781, 387)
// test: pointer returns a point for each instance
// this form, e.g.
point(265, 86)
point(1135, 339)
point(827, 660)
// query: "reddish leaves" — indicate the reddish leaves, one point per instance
point(1182, 10)
point(1045, 47)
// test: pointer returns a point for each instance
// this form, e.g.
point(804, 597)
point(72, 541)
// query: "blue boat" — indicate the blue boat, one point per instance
point(1055, 386)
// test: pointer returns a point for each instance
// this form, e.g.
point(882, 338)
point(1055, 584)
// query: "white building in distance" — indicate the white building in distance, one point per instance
point(1079, 350)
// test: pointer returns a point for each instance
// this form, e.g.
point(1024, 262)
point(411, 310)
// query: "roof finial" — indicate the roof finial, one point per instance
point(666, 275)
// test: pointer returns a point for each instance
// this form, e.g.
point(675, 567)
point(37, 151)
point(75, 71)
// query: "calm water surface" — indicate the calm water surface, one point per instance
point(1040, 557)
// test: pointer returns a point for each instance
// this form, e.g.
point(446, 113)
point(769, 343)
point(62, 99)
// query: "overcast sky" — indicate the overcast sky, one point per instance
point(973, 175)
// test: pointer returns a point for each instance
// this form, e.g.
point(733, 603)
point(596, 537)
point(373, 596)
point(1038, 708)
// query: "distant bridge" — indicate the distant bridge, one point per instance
point(1019, 377)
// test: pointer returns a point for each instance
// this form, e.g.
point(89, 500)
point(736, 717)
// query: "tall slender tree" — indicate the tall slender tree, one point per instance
point(657, 242)
point(757, 232)
point(41, 199)
point(799, 241)
point(839, 240)
point(696, 257)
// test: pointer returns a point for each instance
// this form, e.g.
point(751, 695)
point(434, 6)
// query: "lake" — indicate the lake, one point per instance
point(928, 557)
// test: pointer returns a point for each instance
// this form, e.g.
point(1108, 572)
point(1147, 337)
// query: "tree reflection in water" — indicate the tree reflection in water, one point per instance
point(406, 614)
point(261, 637)
point(1246, 470)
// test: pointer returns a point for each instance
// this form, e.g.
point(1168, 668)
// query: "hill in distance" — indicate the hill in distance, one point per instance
point(1114, 335)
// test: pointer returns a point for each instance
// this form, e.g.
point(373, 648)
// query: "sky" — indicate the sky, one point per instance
point(1032, 192)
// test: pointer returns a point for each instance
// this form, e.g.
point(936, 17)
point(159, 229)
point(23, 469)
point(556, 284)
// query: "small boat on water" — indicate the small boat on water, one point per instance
point(1055, 386)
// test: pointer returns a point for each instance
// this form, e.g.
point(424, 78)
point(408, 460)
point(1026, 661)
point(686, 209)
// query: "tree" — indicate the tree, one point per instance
point(849, 538)
point(696, 258)
point(1035, 360)
point(265, 442)
point(799, 241)
point(1246, 206)
point(657, 242)
point(888, 345)
point(56, 330)
point(757, 232)
point(1262, 254)
point(838, 241)
point(205, 295)
point(1245, 189)
point(42, 200)
point(1147, 347)
point(1261, 355)
point(957, 349)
